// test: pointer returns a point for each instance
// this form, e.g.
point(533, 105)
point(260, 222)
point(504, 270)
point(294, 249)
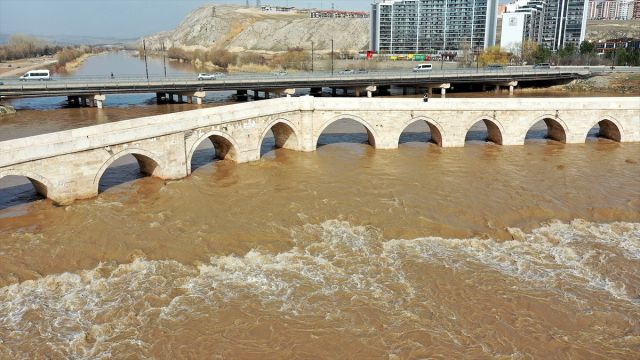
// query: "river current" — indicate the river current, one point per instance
point(486, 251)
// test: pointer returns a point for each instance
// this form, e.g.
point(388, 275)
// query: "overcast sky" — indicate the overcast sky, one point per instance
point(122, 18)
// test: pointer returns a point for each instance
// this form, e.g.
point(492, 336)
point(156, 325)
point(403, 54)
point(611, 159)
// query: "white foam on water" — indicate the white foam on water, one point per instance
point(549, 255)
point(93, 313)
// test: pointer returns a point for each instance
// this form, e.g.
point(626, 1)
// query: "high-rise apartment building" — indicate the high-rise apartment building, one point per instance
point(611, 9)
point(561, 21)
point(432, 26)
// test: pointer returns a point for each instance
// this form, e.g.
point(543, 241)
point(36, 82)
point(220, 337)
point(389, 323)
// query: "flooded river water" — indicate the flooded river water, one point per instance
point(486, 251)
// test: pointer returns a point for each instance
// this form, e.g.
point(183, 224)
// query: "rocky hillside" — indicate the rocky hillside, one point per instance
point(238, 29)
point(612, 29)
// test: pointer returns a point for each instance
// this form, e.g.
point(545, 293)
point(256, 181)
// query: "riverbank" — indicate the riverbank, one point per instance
point(6, 109)
point(75, 64)
point(617, 83)
point(16, 68)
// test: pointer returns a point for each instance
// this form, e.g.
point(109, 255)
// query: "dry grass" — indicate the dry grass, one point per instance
point(250, 68)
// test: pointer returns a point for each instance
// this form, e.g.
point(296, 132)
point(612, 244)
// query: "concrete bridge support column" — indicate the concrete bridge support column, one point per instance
point(266, 94)
point(99, 100)
point(404, 90)
point(242, 95)
point(306, 139)
point(370, 90)
point(333, 92)
point(256, 95)
point(73, 101)
point(199, 95)
point(443, 93)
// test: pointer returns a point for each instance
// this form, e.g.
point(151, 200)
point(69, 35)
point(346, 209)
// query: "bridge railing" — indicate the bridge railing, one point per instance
point(182, 79)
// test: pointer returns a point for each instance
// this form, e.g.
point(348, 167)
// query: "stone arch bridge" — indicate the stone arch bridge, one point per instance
point(67, 165)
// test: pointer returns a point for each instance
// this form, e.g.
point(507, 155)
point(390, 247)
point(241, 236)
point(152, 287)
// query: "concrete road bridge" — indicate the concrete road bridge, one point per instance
point(93, 91)
point(68, 165)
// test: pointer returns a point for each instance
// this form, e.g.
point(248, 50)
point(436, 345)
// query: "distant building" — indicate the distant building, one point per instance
point(502, 8)
point(551, 23)
point(594, 12)
point(625, 11)
point(607, 46)
point(278, 9)
point(338, 14)
point(611, 9)
point(636, 9)
point(432, 26)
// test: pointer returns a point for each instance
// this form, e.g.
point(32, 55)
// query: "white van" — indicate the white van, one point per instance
point(423, 67)
point(36, 75)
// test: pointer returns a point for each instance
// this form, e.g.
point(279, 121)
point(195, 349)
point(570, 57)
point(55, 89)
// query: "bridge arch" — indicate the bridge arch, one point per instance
point(224, 145)
point(557, 129)
point(435, 128)
point(372, 136)
point(147, 161)
point(41, 184)
point(285, 134)
point(610, 128)
point(495, 130)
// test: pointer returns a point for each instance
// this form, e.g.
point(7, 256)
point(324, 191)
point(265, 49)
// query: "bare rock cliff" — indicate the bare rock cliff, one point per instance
point(238, 29)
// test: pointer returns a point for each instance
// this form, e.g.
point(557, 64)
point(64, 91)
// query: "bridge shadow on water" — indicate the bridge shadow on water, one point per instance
point(16, 191)
point(123, 170)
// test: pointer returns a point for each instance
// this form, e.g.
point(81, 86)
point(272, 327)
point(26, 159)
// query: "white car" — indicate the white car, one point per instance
point(36, 75)
point(423, 67)
point(205, 76)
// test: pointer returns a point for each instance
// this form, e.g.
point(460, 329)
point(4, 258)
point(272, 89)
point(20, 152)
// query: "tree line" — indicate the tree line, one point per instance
point(529, 52)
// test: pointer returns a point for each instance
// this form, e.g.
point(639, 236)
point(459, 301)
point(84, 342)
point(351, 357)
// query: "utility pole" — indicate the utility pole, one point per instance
point(331, 57)
point(311, 55)
point(164, 60)
point(146, 67)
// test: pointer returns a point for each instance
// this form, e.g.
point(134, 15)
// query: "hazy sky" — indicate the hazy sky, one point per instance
point(120, 18)
point(124, 19)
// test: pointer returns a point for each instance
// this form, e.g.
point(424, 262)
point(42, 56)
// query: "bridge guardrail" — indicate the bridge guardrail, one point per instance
point(155, 83)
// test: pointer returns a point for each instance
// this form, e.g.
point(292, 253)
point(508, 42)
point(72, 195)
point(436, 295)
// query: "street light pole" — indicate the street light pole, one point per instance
point(144, 49)
point(331, 56)
point(164, 61)
point(312, 56)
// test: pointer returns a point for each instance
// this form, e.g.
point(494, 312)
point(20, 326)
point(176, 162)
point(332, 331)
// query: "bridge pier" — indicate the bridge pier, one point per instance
point(370, 90)
point(242, 95)
point(199, 95)
point(510, 84)
point(99, 100)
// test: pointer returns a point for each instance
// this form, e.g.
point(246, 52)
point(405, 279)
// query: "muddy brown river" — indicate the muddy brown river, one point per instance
point(481, 252)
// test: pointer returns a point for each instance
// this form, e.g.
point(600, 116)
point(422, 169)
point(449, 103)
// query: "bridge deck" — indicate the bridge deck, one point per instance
point(15, 89)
